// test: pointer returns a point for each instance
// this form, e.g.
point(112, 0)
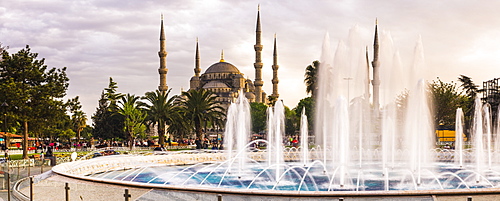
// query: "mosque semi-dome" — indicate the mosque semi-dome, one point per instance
point(215, 84)
point(222, 67)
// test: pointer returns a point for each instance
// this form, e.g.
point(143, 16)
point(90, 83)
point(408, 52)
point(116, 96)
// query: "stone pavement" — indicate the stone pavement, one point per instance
point(52, 189)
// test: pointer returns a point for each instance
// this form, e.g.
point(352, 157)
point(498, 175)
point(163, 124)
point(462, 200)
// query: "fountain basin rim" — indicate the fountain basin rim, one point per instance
point(60, 170)
point(254, 192)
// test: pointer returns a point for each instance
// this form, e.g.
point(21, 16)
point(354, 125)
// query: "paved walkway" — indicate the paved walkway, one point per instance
point(52, 189)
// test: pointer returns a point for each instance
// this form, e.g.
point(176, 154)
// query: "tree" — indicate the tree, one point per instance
point(160, 111)
point(201, 108)
point(106, 124)
point(133, 115)
point(468, 86)
point(446, 99)
point(29, 87)
point(78, 117)
point(291, 121)
point(258, 115)
point(179, 127)
point(470, 89)
point(271, 100)
point(87, 132)
point(308, 104)
point(66, 134)
point(311, 78)
point(2, 48)
point(99, 119)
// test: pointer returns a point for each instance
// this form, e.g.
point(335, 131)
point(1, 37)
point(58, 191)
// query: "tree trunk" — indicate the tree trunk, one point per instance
point(199, 133)
point(25, 140)
point(131, 140)
point(78, 135)
point(161, 134)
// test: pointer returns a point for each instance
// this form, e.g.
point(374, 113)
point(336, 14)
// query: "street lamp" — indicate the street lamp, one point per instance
point(4, 106)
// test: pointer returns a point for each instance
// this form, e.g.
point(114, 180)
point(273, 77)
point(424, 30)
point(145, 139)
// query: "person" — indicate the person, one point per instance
point(50, 155)
point(160, 148)
point(49, 152)
point(198, 143)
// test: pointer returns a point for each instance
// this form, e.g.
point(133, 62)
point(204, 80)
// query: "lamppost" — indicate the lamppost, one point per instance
point(4, 106)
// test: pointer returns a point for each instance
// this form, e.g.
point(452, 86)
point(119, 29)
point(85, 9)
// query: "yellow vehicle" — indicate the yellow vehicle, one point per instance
point(447, 136)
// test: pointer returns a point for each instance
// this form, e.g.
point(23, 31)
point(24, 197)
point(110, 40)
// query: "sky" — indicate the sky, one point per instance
point(99, 39)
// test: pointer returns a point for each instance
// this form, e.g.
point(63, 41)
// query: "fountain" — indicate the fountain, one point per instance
point(358, 148)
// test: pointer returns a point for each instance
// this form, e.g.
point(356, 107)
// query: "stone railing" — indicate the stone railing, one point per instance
point(109, 163)
point(120, 162)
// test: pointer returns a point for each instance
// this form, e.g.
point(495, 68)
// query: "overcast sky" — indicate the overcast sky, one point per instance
point(98, 39)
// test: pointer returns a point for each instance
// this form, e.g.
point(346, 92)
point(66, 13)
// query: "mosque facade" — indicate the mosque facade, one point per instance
point(223, 78)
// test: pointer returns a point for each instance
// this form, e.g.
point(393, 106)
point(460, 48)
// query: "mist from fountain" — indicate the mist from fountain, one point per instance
point(351, 120)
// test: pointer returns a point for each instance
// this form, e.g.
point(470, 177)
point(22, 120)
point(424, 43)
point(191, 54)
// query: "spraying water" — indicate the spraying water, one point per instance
point(459, 139)
point(304, 145)
point(238, 131)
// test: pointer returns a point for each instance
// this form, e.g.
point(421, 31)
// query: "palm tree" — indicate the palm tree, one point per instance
point(78, 117)
point(160, 111)
point(134, 116)
point(179, 127)
point(200, 107)
point(311, 78)
point(79, 120)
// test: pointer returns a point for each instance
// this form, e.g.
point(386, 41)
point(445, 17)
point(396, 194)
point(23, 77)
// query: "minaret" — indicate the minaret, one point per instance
point(194, 83)
point(275, 66)
point(376, 65)
point(258, 62)
point(367, 81)
point(163, 60)
point(197, 68)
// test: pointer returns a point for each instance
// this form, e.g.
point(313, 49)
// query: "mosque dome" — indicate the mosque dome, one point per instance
point(222, 67)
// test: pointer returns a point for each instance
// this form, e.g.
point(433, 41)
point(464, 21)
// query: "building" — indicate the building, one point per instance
point(223, 78)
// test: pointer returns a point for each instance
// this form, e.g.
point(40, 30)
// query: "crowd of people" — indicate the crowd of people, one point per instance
point(198, 143)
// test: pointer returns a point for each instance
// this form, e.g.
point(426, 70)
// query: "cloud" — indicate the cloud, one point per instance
point(98, 39)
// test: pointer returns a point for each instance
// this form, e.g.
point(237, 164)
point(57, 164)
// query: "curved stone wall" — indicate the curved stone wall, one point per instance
point(79, 170)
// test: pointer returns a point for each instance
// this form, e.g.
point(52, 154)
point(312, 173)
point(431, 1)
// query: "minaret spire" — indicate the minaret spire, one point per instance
point(194, 83)
point(275, 67)
point(163, 60)
point(222, 56)
point(258, 62)
point(197, 68)
point(375, 65)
